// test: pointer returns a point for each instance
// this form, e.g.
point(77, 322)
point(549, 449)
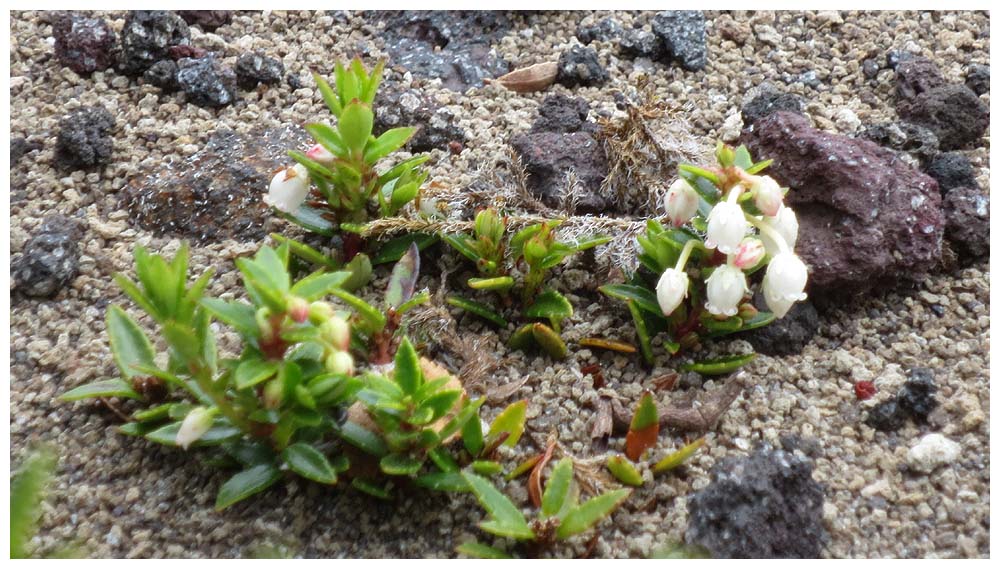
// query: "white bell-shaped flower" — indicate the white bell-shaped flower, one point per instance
point(288, 189)
point(681, 202)
point(727, 226)
point(726, 287)
point(196, 423)
point(320, 154)
point(767, 194)
point(784, 282)
point(786, 225)
point(671, 289)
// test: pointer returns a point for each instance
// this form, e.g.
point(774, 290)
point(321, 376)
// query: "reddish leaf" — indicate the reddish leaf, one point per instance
point(535, 480)
point(644, 429)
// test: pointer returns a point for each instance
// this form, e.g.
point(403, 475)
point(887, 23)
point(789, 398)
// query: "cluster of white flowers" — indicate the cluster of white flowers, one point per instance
point(730, 231)
point(290, 186)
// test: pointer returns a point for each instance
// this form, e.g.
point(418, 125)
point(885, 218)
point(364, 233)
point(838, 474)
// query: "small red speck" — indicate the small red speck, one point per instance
point(864, 390)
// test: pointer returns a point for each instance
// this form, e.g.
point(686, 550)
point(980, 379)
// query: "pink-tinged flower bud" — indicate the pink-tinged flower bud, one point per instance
point(340, 363)
point(784, 282)
point(671, 289)
point(681, 202)
point(767, 194)
point(320, 312)
point(336, 332)
point(749, 253)
point(726, 287)
point(786, 225)
point(298, 309)
point(274, 393)
point(288, 189)
point(320, 154)
point(727, 226)
point(197, 422)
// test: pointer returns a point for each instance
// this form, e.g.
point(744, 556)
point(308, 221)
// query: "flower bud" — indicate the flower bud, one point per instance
point(747, 311)
point(681, 202)
point(726, 287)
point(726, 227)
point(288, 189)
point(320, 312)
point(197, 422)
point(767, 194)
point(671, 289)
point(340, 363)
point(784, 282)
point(749, 253)
point(319, 153)
point(298, 309)
point(336, 332)
point(263, 317)
point(274, 393)
point(786, 225)
point(489, 224)
point(534, 251)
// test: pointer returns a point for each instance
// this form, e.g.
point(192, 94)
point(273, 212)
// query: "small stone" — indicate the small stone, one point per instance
point(84, 138)
point(968, 227)
point(640, 43)
point(767, 101)
point(886, 416)
point(953, 113)
point(579, 66)
point(162, 74)
point(604, 30)
point(253, 69)
point(83, 44)
point(846, 121)
point(952, 170)
point(916, 397)
point(932, 451)
point(49, 260)
point(206, 82)
point(870, 68)
point(21, 146)
point(977, 78)
point(683, 35)
point(730, 29)
point(917, 75)
point(147, 37)
point(294, 81)
point(915, 140)
point(731, 127)
point(560, 113)
point(548, 157)
point(207, 20)
point(788, 335)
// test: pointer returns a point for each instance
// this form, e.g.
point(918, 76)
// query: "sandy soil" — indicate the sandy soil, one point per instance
point(123, 497)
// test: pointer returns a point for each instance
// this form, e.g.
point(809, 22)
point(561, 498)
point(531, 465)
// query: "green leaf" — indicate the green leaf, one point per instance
point(132, 290)
point(310, 219)
point(624, 471)
point(466, 413)
point(389, 142)
point(549, 340)
point(719, 366)
point(153, 414)
point(646, 413)
point(364, 439)
point(355, 126)
point(129, 344)
point(400, 465)
point(493, 283)
point(463, 244)
point(443, 459)
point(759, 320)
point(677, 458)
point(394, 249)
point(407, 373)
point(586, 515)
point(361, 272)
point(402, 168)
point(557, 488)
point(221, 431)
point(641, 296)
point(307, 253)
point(239, 315)
point(372, 489)
point(478, 309)
point(472, 436)
point(104, 388)
point(477, 550)
point(328, 138)
point(506, 519)
point(403, 279)
point(250, 453)
point(522, 338)
point(699, 172)
point(319, 284)
point(440, 403)
point(372, 318)
point(310, 463)
point(245, 484)
point(417, 299)
point(641, 331)
point(758, 167)
point(511, 421)
point(251, 372)
point(369, 89)
point(443, 481)
point(486, 467)
point(742, 158)
point(590, 242)
point(27, 491)
point(551, 305)
point(329, 97)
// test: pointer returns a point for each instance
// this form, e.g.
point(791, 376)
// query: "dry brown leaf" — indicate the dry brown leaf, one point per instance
point(533, 78)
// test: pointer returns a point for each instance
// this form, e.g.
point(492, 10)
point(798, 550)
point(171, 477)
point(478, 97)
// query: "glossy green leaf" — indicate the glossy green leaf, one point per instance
point(472, 436)
point(310, 219)
point(699, 172)
point(328, 138)
point(506, 520)
point(402, 168)
point(486, 467)
point(310, 463)
point(372, 318)
point(624, 471)
point(153, 414)
point(477, 550)
point(549, 341)
point(129, 344)
point(104, 388)
point(493, 283)
point(586, 515)
point(719, 366)
point(389, 142)
point(641, 296)
point(220, 432)
point(462, 244)
point(355, 126)
point(407, 372)
point(27, 491)
point(245, 484)
point(759, 166)
point(253, 371)
point(393, 249)
point(641, 331)
point(478, 309)
point(329, 96)
point(677, 458)
point(372, 489)
point(319, 284)
point(522, 338)
point(510, 420)
point(742, 158)
point(239, 315)
point(443, 481)
point(550, 305)
point(360, 268)
point(400, 465)
point(364, 439)
point(558, 488)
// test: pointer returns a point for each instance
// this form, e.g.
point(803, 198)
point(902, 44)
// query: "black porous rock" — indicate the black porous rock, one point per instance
point(640, 43)
point(560, 113)
point(206, 82)
point(886, 416)
point(162, 74)
point(21, 146)
point(294, 81)
point(147, 37)
point(579, 66)
point(912, 139)
point(253, 69)
point(438, 126)
point(952, 170)
point(870, 68)
point(894, 57)
point(84, 138)
point(917, 75)
point(549, 157)
point(84, 44)
point(952, 112)
point(765, 505)
point(977, 78)
point(786, 335)
point(968, 228)
point(50, 259)
point(207, 20)
point(605, 30)
point(916, 397)
point(683, 35)
point(770, 100)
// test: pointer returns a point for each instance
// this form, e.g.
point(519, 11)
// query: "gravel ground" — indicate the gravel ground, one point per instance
point(122, 497)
